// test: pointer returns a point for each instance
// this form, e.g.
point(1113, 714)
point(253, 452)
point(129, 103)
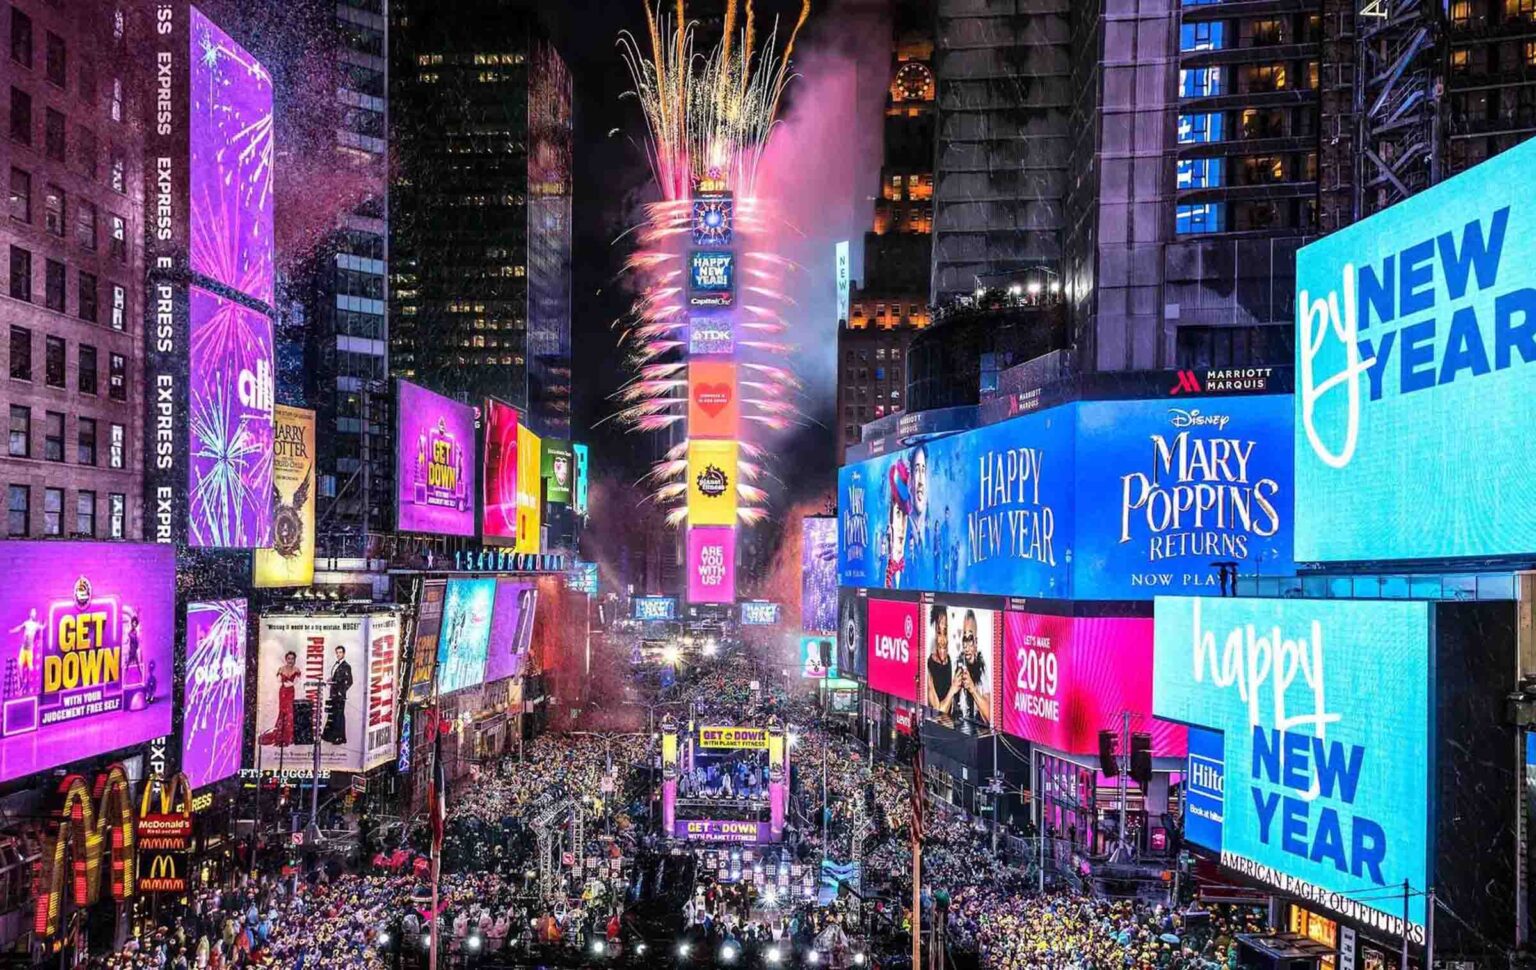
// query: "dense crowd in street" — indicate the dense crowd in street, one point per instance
point(490, 898)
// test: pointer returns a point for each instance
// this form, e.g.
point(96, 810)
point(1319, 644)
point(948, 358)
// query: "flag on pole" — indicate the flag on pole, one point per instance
point(918, 798)
point(437, 794)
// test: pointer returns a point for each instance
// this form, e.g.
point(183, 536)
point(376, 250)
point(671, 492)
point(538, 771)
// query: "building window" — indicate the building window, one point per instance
point(53, 134)
point(53, 210)
point(85, 441)
point(85, 513)
point(21, 274)
point(53, 511)
point(53, 361)
point(21, 38)
point(85, 225)
point(1529, 52)
point(21, 354)
point(1199, 128)
point(117, 99)
point(1202, 82)
point(86, 299)
point(1268, 77)
point(21, 431)
point(21, 195)
point(1206, 35)
point(117, 447)
point(1198, 173)
point(1199, 218)
point(18, 510)
point(119, 170)
point(119, 307)
point(117, 514)
point(1520, 8)
point(53, 436)
point(87, 371)
point(1461, 12)
point(53, 285)
point(117, 377)
point(88, 83)
point(21, 116)
point(56, 58)
point(119, 239)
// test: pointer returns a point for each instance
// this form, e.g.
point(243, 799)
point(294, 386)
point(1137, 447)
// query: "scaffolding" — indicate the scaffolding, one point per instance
point(1398, 84)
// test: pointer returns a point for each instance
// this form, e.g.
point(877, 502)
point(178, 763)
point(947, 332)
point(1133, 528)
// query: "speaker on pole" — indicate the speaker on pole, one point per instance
point(1108, 743)
point(1141, 759)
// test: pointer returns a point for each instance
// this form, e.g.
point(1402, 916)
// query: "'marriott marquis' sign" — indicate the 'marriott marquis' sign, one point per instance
point(1316, 717)
point(1414, 403)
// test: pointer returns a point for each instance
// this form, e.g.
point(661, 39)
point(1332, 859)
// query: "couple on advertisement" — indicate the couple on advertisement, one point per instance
point(917, 547)
point(280, 735)
point(959, 687)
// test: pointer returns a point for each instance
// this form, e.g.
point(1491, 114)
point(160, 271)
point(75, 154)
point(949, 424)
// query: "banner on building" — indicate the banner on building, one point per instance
point(291, 560)
point(712, 482)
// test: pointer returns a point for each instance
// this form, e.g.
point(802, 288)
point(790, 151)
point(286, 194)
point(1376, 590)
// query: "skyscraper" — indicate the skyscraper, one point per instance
point(480, 205)
point(892, 302)
point(73, 387)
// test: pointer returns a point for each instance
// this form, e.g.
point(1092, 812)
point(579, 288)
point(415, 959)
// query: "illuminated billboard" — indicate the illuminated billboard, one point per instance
point(231, 398)
point(1065, 679)
point(530, 500)
point(960, 668)
point(1413, 405)
point(985, 512)
point(499, 519)
point(710, 335)
point(465, 635)
point(90, 630)
point(511, 629)
point(291, 560)
point(851, 639)
point(895, 644)
point(711, 278)
point(712, 564)
point(652, 608)
point(558, 469)
point(758, 613)
point(713, 408)
point(712, 482)
point(714, 217)
point(213, 701)
point(818, 573)
point(843, 272)
point(1323, 712)
point(434, 463)
point(1167, 487)
point(329, 677)
point(818, 656)
point(429, 625)
point(230, 136)
point(579, 493)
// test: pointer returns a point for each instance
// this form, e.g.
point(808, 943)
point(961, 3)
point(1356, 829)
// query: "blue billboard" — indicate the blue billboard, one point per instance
point(711, 278)
point(1204, 788)
point(989, 511)
point(1167, 487)
point(465, 635)
point(1324, 713)
point(651, 608)
point(1413, 406)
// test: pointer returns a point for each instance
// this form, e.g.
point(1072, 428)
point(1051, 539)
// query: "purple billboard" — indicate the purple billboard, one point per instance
point(434, 463)
point(720, 830)
point(230, 140)
point(89, 637)
point(511, 629)
point(231, 402)
point(818, 573)
point(213, 708)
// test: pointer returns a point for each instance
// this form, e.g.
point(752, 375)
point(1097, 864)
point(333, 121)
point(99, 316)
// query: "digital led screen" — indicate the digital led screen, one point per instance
point(650, 608)
point(511, 629)
point(91, 631)
point(842, 271)
point(712, 482)
point(818, 656)
point(500, 515)
point(851, 637)
point(558, 469)
point(985, 512)
point(1324, 715)
point(530, 501)
point(1167, 487)
point(1065, 679)
point(230, 402)
point(711, 564)
point(429, 624)
point(1413, 406)
point(465, 635)
point(713, 408)
point(714, 217)
point(711, 278)
point(291, 560)
point(758, 613)
point(960, 669)
point(710, 335)
point(579, 493)
point(213, 704)
point(895, 632)
point(1205, 788)
point(434, 463)
point(818, 573)
point(230, 138)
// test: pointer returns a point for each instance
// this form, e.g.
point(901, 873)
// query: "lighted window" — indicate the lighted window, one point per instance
point(1199, 128)
point(1203, 82)
point(1202, 36)
point(1199, 173)
point(1201, 218)
point(1462, 59)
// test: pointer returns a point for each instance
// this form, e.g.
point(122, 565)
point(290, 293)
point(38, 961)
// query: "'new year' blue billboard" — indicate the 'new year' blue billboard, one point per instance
point(989, 511)
point(1324, 718)
point(1414, 404)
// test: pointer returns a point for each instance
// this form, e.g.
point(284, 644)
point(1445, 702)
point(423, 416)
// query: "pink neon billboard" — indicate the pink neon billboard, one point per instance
point(895, 648)
point(712, 564)
point(1067, 678)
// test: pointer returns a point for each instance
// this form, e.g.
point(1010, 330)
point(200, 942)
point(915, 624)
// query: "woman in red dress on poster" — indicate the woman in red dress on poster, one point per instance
point(281, 734)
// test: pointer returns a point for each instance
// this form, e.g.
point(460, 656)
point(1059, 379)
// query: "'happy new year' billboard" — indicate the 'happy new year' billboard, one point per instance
point(434, 463)
point(89, 638)
point(1323, 710)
